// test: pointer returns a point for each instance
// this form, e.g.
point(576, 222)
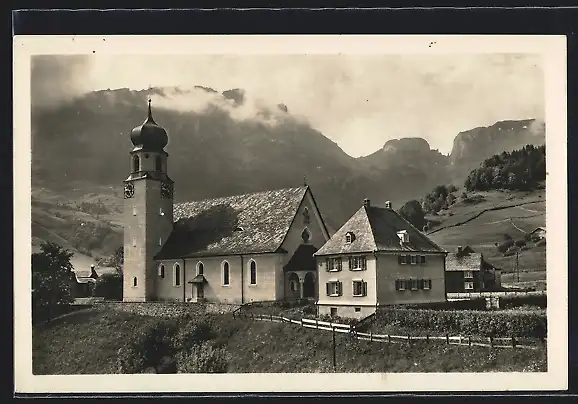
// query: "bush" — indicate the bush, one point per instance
point(309, 310)
point(146, 347)
point(203, 358)
point(190, 334)
point(469, 322)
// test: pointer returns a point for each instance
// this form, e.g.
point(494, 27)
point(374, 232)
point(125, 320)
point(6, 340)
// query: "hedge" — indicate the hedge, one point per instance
point(468, 322)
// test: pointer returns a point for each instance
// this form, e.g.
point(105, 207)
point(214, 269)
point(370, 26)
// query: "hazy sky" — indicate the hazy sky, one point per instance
point(358, 102)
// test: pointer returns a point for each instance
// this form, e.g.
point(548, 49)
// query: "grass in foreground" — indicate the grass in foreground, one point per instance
point(87, 343)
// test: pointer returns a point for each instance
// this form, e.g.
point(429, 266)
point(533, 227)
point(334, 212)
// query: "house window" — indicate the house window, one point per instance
point(357, 309)
point(253, 269)
point(403, 236)
point(349, 237)
point(426, 284)
point(422, 259)
point(176, 275)
point(334, 288)
point(160, 241)
point(225, 273)
point(357, 263)
point(469, 285)
point(413, 284)
point(293, 286)
point(134, 282)
point(161, 270)
point(134, 210)
point(468, 274)
point(158, 164)
point(359, 288)
point(333, 312)
point(400, 284)
point(402, 259)
point(414, 259)
point(135, 164)
point(134, 241)
point(200, 268)
point(334, 264)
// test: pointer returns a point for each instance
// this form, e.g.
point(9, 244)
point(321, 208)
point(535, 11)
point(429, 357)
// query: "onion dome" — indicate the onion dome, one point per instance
point(149, 135)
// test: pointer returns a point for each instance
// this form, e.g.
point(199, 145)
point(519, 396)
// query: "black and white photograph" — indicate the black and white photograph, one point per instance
point(368, 212)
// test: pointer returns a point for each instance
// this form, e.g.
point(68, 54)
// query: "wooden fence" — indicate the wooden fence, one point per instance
point(512, 342)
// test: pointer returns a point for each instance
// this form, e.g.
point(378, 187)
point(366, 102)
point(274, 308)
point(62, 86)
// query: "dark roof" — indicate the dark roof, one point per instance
point(241, 224)
point(302, 259)
point(464, 262)
point(86, 273)
point(375, 229)
point(198, 279)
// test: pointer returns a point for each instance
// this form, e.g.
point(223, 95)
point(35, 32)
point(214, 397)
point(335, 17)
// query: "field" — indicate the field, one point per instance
point(87, 343)
point(472, 224)
point(85, 222)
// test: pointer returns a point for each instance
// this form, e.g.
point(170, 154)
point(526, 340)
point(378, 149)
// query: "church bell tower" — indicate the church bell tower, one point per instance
point(148, 209)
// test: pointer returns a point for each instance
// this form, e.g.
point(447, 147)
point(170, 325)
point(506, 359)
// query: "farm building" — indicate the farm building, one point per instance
point(467, 271)
point(378, 258)
point(82, 284)
point(538, 234)
point(234, 249)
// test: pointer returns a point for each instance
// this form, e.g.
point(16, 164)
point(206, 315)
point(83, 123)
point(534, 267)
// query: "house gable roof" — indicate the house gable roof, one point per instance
point(242, 224)
point(376, 229)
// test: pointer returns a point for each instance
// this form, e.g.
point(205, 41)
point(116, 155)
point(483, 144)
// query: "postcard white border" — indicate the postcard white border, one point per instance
point(553, 50)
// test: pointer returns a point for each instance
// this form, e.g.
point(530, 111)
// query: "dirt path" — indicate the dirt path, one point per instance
point(481, 213)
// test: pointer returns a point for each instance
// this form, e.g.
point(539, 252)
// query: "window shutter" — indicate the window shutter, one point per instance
point(364, 263)
point(339, 288)
point(364, 291)
point(408, 259)
point(327, 286)
point(397, 284)
point(399, 259)
point(353, 288)
point(327, 264)
point(351, 263)
point(423, 259)
point(339, 263)
point(420, 283)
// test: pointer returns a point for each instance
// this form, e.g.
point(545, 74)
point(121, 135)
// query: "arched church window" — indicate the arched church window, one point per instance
point(306, 236)
point(158, 164)
point(135, 164)
point(177, 275)
point(134, 282)
point(200, 268)
point(225, 273)
point(162, 271)
point(253, 270)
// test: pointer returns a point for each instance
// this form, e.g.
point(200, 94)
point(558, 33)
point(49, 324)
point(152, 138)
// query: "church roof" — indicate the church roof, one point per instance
point(376, 229)
point(242, 224)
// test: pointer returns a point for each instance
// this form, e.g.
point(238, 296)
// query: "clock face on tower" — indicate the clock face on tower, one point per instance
point(128, 190)
point(167, 190)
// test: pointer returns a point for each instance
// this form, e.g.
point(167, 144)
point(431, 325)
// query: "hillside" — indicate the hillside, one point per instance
point(484, 218)
point(475, 145)
point(88, 343)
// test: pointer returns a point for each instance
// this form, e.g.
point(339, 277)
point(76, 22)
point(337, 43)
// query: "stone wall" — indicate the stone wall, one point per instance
point(168, 309)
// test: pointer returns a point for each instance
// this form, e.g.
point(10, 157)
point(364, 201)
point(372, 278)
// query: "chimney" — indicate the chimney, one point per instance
point(388, 204)
point(366, 203)
point(459, 249)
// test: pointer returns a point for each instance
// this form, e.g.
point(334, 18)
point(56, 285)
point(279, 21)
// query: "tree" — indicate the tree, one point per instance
point(115, 260)
point(51, 275)
point(413, 212)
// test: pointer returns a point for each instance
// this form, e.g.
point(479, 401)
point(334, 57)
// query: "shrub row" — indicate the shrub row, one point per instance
point(506, 302)
point(169, 309)
point(468, 322)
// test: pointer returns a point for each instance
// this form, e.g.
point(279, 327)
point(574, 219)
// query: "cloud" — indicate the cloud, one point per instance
point(57, 78)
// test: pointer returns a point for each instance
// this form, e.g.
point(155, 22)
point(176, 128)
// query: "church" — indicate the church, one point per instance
point(236, 249)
